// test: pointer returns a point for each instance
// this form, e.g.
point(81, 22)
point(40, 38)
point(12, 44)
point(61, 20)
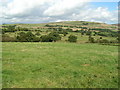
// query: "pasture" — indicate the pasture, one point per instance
point(59, 65)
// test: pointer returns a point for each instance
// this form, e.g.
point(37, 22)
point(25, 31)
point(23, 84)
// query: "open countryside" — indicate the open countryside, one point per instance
point(71, 54)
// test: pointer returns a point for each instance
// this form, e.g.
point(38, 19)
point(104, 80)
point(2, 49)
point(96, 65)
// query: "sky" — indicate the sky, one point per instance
point(44, 11)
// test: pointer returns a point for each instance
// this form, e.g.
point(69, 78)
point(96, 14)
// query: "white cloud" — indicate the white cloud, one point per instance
point(99, 14)
point(22, 6)
point(31, 11)
point(64, 6)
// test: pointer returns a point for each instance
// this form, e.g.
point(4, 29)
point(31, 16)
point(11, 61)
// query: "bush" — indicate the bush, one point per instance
point(82, 32)
point(53, 36)
point(118, 39)
point(36, 39)
point(38, 34)
point(91, 39)
point(27, 37)
point(45, 38)
point(85, 23)
point(64, 33)
point(72, 38)
point(88, 32)
point(113, 41)
point(6, 38)
point(104, 41)
point(100, 37)
point(69, 30)
point(10, 28)
point(21, 37)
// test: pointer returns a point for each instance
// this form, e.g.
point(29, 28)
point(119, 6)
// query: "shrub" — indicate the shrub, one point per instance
point(53, 36)
point(94, 34)
point(113, 41)
point(21, 37)
point(64, 33)
point(27, 37)
point(82, 33)
point(72, 38)
point(69, 30)
point(85, 23)
point(45, 38)
point(118, 39)
point(91, 39)
point(88, 32)
point(104, 41)
point(6, 38)
point(38, 34)
point(36, 39)
point(100, 37)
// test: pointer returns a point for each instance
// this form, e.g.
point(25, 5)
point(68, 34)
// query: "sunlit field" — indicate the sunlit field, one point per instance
point(59, 65)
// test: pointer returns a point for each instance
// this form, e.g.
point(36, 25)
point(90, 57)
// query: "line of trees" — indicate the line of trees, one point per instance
point(103, 41)
point(101, 32)
point(54, 35)
point(30, 37)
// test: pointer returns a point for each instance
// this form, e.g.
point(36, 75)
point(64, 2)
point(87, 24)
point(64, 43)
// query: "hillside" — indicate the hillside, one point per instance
point(74, 24)
point(81, 29)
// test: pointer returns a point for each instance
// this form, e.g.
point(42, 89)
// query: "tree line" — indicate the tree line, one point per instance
point(53, 36)
point(30, 37)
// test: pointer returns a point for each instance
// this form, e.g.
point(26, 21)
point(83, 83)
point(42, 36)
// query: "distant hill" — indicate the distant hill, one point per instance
point(86, 24)
point(116, 24)
point(71, 24)
point(77, 28)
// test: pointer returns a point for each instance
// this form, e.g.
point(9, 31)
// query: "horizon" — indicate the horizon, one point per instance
point(56, 22)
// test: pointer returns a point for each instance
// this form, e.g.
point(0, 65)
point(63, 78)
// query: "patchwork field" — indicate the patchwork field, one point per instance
point(59, 65)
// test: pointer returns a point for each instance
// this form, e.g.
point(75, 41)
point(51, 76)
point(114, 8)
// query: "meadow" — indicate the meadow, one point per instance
point(59, 65)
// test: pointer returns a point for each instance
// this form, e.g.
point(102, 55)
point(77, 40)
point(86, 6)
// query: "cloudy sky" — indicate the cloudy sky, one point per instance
point(42, 11)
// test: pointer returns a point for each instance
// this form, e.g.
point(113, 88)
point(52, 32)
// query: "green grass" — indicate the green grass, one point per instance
point(59, 65)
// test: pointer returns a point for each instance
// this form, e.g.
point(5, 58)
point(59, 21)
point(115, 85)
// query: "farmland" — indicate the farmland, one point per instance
point(42, 56)
point(59, 65)
point(83, 30)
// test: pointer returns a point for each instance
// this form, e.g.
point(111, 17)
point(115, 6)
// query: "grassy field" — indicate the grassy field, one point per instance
point(59, 65)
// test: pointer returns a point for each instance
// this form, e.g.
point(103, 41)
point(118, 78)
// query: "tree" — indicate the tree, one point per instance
point(88, 32)
point(82, 33)
point(44, 38)
point(85, 23)
point(36, 39)
point(104, 41)
point(6, 38)
point(64, 33)
point(91, 39)
point(21, 37)
point(100, 37)
point(27, 37)
point(72, 38)
point(53, 36)
point(38, 34)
